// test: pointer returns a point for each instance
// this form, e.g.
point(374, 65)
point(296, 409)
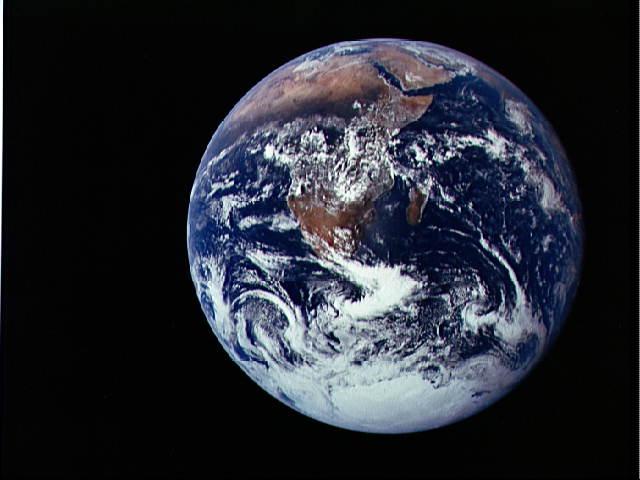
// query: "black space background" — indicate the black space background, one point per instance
point(108, 364)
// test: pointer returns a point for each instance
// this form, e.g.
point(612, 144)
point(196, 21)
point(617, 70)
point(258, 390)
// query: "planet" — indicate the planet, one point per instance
point(385, 235)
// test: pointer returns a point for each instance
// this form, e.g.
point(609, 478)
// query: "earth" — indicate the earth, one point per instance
point(385, 235)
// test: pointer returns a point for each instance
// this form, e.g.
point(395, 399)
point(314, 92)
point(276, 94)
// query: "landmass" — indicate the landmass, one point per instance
point(349, 86)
